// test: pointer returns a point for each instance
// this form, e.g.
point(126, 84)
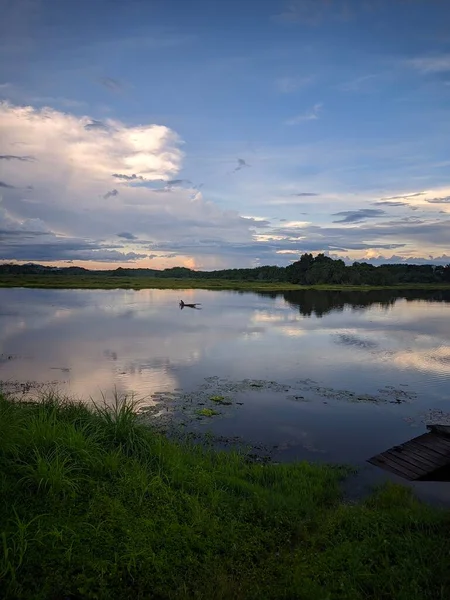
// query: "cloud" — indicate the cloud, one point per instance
point(241, 165)
point(72, 218)
point(444, 259)
point(6, 185)
point(288, 85)
point(31, 239)
point(173, 182)
point(431, 64)
point(355, 216)
point(111, 84)
point(132, 177)
point(55, 251)
point(110, 194)
point(415, 195)
point(14, 226)
point(305, 194)
point(388, 203)
point(310, 115)
point(94, 124)
point(15, 157)
point(445, 200)
point(74, 169)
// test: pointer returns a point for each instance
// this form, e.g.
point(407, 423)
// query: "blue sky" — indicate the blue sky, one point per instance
point(224, 133)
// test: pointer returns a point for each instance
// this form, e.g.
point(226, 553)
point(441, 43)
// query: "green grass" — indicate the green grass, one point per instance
point(138, 283)
point(94, 504)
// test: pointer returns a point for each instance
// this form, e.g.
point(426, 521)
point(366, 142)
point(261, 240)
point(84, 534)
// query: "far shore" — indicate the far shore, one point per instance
point(50, 281)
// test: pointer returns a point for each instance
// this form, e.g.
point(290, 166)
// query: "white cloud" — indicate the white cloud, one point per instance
point(62, 140)
point(72, 175)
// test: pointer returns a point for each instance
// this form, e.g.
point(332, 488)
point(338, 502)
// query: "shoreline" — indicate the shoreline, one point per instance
point(141, 283)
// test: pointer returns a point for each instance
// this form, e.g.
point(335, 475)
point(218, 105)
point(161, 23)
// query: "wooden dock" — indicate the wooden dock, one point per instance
point(424, 458)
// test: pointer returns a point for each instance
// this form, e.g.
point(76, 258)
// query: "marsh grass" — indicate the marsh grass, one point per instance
point(139, 283)
point(95, 505)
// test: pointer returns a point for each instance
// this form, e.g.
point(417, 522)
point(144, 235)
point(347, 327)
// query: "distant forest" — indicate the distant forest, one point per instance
point(308, 270)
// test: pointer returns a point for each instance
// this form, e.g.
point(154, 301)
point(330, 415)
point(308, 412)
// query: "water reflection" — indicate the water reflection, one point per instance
point(356, 351)
point(320, 303)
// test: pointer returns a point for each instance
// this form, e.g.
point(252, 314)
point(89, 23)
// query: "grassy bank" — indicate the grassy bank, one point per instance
point(139, 283)
point(95, 505)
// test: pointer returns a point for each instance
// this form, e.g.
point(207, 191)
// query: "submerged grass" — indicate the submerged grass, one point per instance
point(139, 283)
point(95, 505)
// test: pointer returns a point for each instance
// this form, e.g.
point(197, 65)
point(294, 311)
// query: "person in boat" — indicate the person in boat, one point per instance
point(183, 304)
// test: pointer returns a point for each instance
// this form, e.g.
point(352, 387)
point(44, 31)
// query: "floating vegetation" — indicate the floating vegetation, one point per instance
point(221, 400)
point(435, 416)
point(207, 412)
point(25, 388)
point(169, 410)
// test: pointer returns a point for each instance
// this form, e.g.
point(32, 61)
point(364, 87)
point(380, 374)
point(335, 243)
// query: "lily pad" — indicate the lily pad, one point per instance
point(220, 400)
point(207, 412)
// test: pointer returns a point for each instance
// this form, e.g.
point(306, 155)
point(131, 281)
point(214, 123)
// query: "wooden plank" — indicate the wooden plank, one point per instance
point(434, 443)
point(437, 437)
point(401, 465)
point(419, 458)
point(405, 464)
point(429, 461)
point(387, 467)
point(427, 453)
point(409, 456)
point(431, 442)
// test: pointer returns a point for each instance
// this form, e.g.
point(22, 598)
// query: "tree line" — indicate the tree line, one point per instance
point(308, 270)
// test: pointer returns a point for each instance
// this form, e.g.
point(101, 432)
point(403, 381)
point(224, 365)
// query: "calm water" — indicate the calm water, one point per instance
point(323, 376)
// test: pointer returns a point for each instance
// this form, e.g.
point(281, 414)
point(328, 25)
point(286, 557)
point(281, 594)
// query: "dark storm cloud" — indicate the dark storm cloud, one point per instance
point(126, 235)
point(355, 216)
point(387, 203)
point(133, 177)
point(15, 157)
point(445, 200)
point(110, 194)
point(179, 182)
point(434, 232)
point(268, 249)
point(50, 248)
point(305, 194)
point(19, 233)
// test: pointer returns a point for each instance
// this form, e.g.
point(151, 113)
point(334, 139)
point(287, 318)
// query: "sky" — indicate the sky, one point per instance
point(215, 133)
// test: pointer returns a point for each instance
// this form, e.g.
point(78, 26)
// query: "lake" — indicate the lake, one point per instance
point(324, 376)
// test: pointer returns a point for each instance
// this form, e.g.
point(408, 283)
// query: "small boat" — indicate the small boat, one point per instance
point(184, 304)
